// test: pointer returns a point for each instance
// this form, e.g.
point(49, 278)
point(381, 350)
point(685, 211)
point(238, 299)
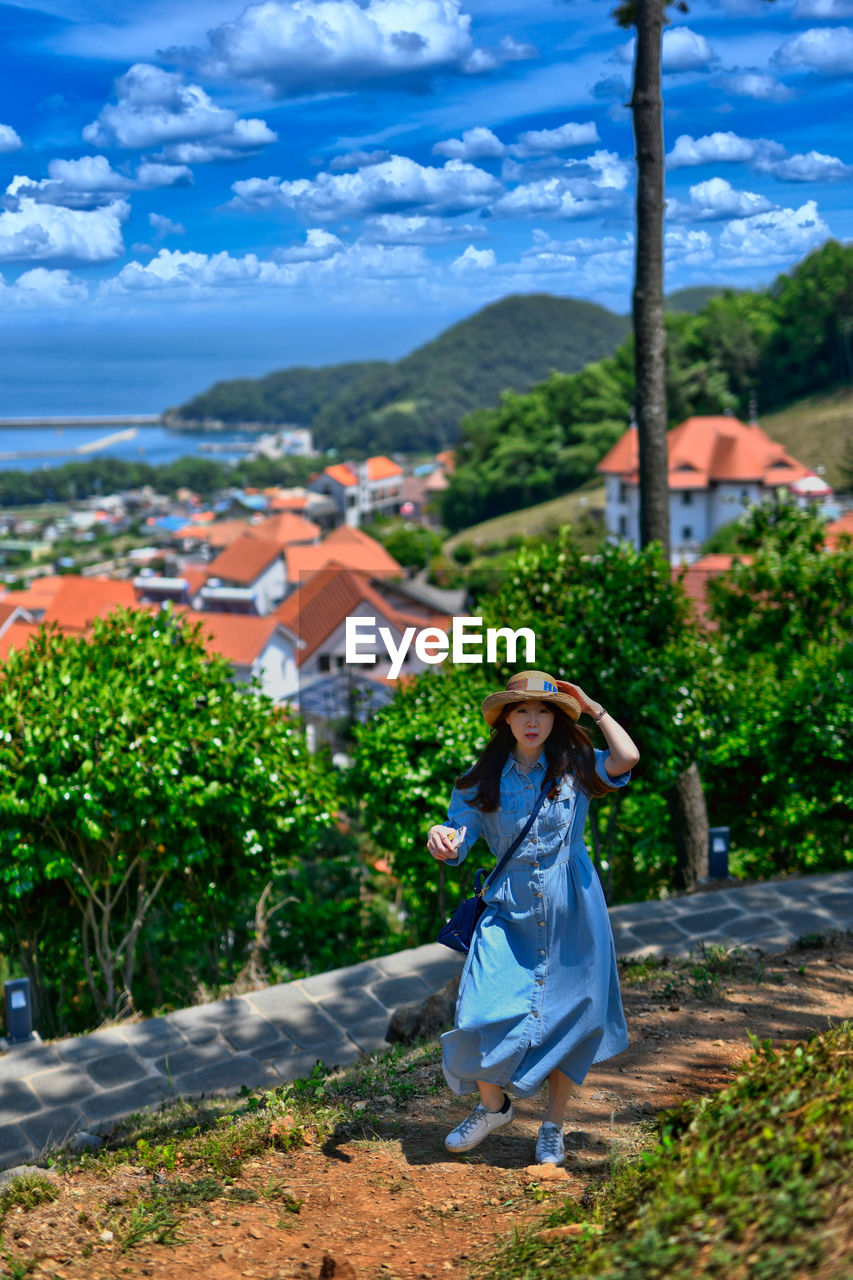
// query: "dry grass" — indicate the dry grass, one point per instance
point(815, 430)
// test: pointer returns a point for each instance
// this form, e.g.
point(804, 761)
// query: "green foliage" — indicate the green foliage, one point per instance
point(790, 593)
point(147, 802)
point(405, 761)
point(25, 1192)
point(744, 1182)
point(411, 545)
point(417, 402)
point(205, 476)
point(780, 759)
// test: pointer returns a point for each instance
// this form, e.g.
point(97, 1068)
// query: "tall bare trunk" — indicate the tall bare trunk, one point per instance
point(689, 816)
point(649, 327)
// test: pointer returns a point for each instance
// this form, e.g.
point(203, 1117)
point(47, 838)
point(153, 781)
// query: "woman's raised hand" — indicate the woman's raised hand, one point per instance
point(442, 842)
point(575, 691)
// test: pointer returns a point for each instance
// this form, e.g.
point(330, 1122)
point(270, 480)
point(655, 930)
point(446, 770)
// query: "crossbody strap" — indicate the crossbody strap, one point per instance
point(480, 888)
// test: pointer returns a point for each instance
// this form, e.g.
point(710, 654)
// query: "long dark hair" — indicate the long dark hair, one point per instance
point(568, 750)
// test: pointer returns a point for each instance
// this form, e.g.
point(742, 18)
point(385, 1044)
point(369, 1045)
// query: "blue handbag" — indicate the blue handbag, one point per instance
point(458, 933)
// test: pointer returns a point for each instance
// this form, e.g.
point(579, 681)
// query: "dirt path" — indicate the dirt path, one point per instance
point(395, 1207)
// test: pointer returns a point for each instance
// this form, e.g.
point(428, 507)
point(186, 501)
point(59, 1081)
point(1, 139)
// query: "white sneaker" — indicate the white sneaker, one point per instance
point(475, 1127)
point(550, 1148)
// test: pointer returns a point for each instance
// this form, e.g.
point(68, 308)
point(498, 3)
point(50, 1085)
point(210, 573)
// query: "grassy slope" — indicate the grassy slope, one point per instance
point(539, 519)
point(815, 430)
point(753, 1183)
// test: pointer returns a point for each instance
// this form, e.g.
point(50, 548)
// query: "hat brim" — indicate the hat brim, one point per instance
point(493, 706)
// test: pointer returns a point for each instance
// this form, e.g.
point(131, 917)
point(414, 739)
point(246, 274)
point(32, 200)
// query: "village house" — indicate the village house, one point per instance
point(261, 649)
point(362, 491)
point(344, 546)
point(718, 466)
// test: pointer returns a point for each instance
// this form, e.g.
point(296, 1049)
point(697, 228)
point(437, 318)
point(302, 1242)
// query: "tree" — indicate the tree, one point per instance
point(138, 777)
point(647, 16)
point(618, 625)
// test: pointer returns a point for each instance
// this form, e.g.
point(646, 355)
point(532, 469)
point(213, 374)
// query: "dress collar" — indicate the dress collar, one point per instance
point(512, 763)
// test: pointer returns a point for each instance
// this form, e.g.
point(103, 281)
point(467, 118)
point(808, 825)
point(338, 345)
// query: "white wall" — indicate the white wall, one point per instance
point(271, 586)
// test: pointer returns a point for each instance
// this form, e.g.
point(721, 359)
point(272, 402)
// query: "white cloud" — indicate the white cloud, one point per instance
point(317, 46)
point(773, 237)
point(681, 50)
point(758, 85)
point(41, 287)
point(693, 248)
point(685, 50)
point(151, 174)
point(30, 231)
point(827, 50)
point(474, 260)
point(832, 9)
point(156, 108)
point(396, 185)
point(399, 228)
point(359, 160)
point(813, 166)
point(543, 142)
point(191, 274)
point(164, 226)
point(717, 199)
point(91, 181)
point(475, 144)
point(711, 149)
point(318, 246)
point(583, 187)
point(9, 140)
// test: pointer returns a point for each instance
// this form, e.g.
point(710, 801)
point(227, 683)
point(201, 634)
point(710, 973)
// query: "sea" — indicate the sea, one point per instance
point(53, 446)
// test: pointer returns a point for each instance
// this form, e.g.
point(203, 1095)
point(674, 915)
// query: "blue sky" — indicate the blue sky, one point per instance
point(316, 180)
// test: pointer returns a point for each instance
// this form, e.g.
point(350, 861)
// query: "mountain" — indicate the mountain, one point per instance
point(695, 298)
point(416, 403)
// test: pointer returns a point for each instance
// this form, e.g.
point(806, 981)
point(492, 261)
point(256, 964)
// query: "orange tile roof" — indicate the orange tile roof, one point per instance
point(286, 528)
point(16, 637)
point(341, 472)
point(220, 534)
point(7, 613)
point(316, 609)
point(446, 459)
point(706, 449)
point(38, 595)
point(196, 576)
point(382, 468)
point(350, 547)
point(240, 638)
point(838, 529)
point(245, 560)
point(80, 600)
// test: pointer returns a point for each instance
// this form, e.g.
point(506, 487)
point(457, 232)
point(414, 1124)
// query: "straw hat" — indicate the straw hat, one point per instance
point(530, 686)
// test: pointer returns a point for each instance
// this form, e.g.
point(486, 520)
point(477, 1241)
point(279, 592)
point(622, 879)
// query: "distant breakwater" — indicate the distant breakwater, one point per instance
point(102, 420)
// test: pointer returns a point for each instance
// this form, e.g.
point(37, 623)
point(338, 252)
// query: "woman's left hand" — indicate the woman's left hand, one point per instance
point(587, 704)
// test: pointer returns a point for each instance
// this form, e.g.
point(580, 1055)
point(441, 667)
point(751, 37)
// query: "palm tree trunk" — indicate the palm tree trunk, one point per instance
point(649, 327)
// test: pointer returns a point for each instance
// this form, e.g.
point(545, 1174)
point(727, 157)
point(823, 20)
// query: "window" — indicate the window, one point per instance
point(687, 498)
point(687, 532)
point(623, 526)
point(623, 492)
point(324, 662)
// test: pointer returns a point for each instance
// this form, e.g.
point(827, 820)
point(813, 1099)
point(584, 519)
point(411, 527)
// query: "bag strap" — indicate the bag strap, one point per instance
point(480, 889)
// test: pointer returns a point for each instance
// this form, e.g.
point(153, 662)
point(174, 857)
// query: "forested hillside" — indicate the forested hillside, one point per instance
point(417, 402)
point(791, 341)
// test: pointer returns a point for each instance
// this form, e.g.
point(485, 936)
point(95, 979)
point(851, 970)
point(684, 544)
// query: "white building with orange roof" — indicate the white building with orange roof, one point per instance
point(262, 649)
point(317, 613)
point(247, 577)
point(718, 466)
point(362, 490)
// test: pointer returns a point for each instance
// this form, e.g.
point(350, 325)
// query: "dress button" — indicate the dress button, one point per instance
point(541, 924)
point(541, 951)
point(537, 895)
point(536, 866)
point(539, 981)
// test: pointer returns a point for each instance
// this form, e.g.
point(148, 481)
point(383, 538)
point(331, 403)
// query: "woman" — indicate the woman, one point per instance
point(539, 994)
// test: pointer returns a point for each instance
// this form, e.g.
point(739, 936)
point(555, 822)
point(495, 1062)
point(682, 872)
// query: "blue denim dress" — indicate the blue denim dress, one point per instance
point(540, 987)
